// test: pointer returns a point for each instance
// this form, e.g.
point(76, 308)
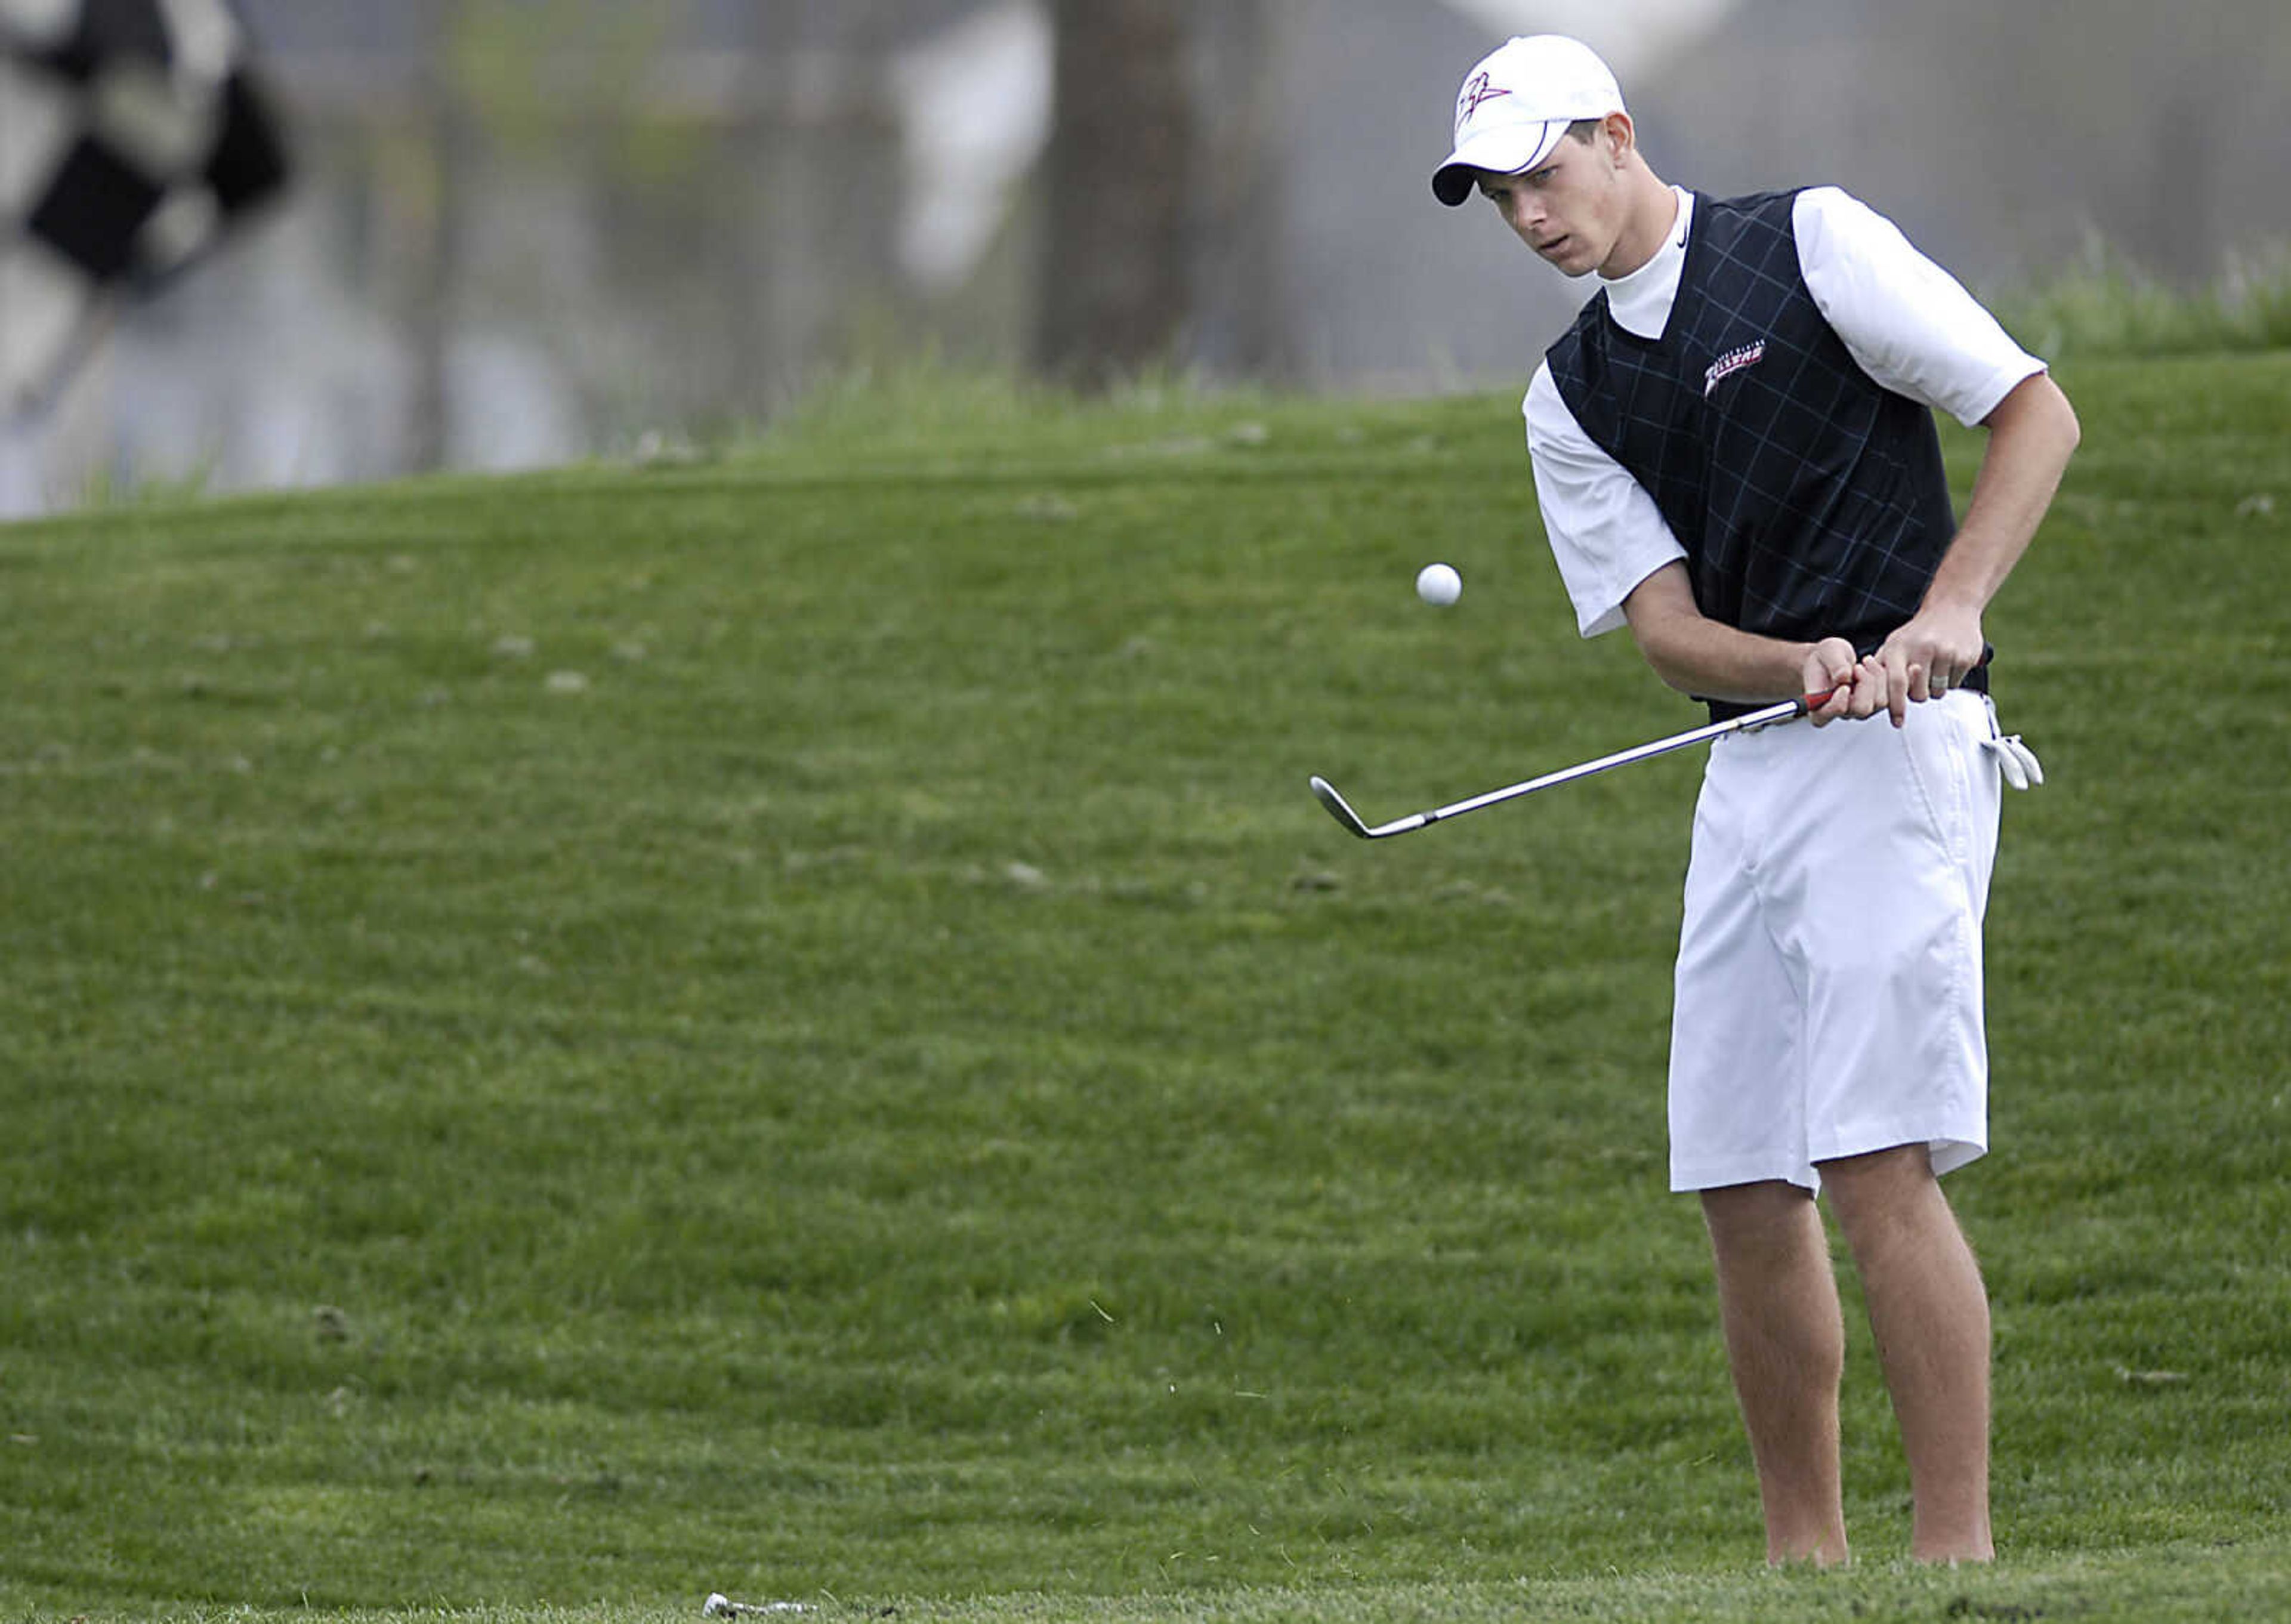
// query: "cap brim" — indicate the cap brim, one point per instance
point(1503, 152)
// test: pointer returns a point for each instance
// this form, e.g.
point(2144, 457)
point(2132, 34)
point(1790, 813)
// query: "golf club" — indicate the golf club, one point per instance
point(1339, 809)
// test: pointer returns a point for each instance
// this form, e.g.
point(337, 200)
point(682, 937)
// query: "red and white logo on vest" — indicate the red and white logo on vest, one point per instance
point(1733, 361)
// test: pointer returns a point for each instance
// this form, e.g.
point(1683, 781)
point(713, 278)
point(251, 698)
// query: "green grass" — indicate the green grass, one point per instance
point(786, 1025)
point(2103, 306)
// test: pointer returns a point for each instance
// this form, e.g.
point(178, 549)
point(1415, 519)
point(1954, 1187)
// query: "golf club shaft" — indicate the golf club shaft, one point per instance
point(1341, 810)
point(1785, 711)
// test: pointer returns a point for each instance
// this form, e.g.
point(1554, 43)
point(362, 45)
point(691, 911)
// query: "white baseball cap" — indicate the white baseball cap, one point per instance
point(1516, 104)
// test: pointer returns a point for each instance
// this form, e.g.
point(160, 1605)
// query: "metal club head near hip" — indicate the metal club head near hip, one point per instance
point(1341, 809)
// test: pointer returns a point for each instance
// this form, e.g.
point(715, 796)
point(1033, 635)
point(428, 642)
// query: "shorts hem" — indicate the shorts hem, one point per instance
point(1949, 1150)
point(1948, 1153)
point(1720, 1172)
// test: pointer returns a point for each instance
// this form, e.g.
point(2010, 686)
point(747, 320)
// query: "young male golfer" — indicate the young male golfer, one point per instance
point(1735, 456)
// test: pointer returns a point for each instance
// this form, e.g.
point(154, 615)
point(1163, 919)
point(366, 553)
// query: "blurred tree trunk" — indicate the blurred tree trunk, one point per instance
point(436, 251)
point(757, 140)
point(1116, 293)
point(1242, 295)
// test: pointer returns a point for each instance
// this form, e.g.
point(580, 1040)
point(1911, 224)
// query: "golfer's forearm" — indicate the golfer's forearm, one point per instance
point(2031, 434)
point(1732, 665)
point(1707, 658)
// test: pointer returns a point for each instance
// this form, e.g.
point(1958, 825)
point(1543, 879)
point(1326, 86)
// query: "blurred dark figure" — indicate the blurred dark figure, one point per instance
point(133, 137)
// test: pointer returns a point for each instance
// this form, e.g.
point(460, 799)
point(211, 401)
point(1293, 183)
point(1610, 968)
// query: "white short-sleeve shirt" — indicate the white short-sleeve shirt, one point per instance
point(1907, 322)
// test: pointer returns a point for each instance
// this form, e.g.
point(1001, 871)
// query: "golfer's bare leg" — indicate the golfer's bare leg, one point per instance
point(1931, 1317)
point(1786, 1341)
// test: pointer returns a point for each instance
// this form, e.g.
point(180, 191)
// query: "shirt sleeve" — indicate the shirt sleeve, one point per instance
point(1606, 533)
point(1909, 323)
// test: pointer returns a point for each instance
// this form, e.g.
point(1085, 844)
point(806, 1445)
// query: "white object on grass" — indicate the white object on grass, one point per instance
point(720, 1606)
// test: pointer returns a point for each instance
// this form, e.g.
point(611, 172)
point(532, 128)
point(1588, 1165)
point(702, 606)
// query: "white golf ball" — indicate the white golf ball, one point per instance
point(1439, 584)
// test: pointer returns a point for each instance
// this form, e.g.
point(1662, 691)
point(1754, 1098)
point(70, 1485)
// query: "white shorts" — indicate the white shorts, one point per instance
point(1829, 995)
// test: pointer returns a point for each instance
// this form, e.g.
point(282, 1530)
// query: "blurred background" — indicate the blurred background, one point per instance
point(523, 232)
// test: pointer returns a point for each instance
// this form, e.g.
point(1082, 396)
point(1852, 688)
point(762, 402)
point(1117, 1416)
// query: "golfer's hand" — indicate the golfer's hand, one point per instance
point(1930, 656)
point(1856, 687)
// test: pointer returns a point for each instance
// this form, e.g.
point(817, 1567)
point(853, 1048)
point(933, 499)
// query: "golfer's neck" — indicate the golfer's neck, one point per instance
point(1653, 211)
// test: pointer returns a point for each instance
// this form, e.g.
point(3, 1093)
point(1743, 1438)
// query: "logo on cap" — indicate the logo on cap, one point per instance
point(1477, 89)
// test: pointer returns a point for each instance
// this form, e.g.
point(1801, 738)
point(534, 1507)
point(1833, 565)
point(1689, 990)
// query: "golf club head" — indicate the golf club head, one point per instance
point(1341, 810)
point(1339, 807)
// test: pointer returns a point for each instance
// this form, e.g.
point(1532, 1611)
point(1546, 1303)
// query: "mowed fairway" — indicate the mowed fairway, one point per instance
point(788, 1025)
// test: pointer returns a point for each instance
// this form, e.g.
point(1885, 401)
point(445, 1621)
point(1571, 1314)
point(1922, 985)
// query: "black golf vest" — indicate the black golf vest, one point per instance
point(1811, 501)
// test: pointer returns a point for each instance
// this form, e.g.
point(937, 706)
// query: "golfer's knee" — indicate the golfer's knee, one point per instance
point(1881, 1190)
point(1757, 1217)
